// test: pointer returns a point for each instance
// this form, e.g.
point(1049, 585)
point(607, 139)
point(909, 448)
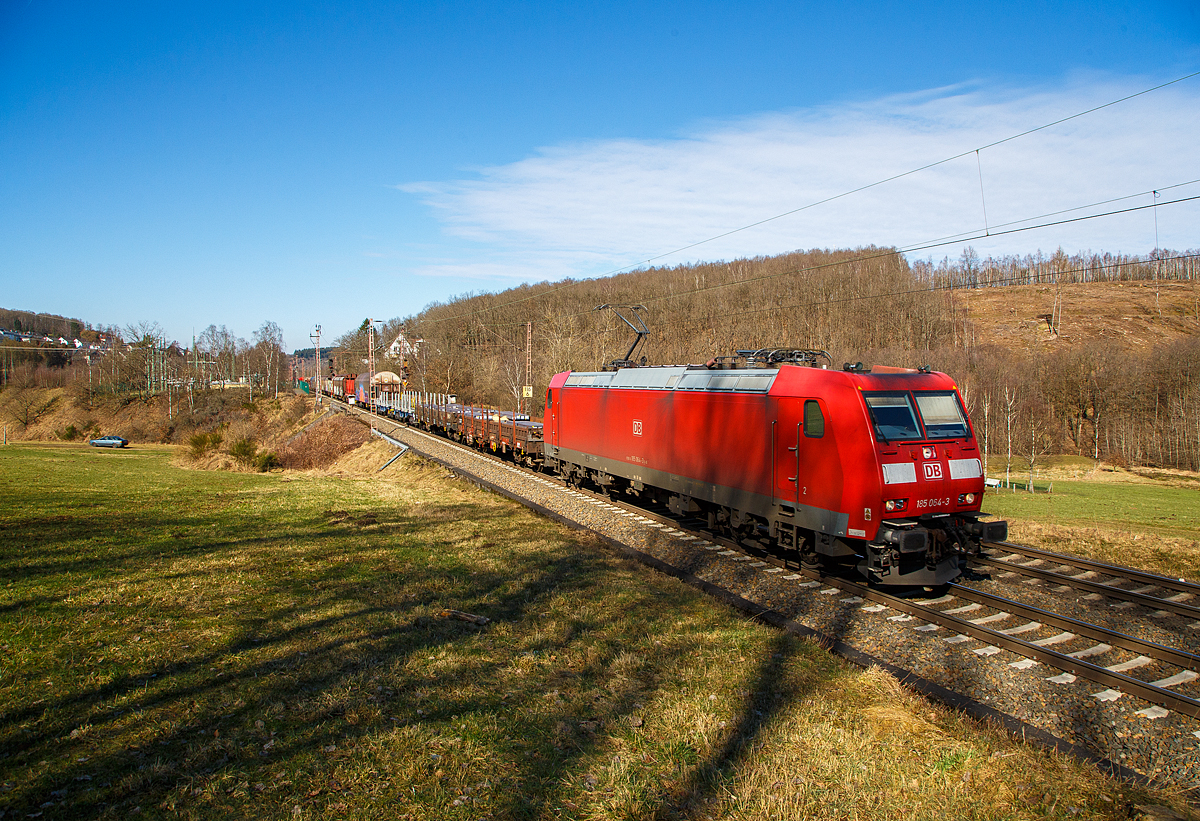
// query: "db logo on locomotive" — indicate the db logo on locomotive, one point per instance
point(933, 470)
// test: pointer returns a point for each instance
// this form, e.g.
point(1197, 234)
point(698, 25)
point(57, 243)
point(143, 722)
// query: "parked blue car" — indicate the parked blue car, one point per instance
point(109, 442)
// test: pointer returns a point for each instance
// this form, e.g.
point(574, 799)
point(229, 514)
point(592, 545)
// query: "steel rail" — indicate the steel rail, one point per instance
point(1094, 587)
point(1161, 652)
point(1060, 661)
point(1078, 667)
point(1139, 576)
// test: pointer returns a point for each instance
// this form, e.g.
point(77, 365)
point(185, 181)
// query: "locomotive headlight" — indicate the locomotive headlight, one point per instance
point(966, 499)
point(889, 505)
point(895, 504)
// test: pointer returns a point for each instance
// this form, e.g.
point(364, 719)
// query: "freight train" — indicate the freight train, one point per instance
point(874, 467)
point(358, 389)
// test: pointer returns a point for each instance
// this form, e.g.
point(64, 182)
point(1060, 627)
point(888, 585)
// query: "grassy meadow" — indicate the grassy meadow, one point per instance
point(202, 644)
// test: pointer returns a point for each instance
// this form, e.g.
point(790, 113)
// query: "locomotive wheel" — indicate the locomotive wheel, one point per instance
point(738, 525)
point(809, 559)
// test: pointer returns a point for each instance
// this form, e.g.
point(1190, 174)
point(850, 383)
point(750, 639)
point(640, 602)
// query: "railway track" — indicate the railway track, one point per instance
point(1003, 623)
point(1161, 594)
point(1138, 688)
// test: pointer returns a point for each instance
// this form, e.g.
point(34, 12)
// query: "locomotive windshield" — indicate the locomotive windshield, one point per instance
point(896, 417)
point(943, 417)
point(893, 416)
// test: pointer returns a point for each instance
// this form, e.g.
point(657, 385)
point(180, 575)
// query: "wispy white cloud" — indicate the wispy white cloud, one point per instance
point(583, 209)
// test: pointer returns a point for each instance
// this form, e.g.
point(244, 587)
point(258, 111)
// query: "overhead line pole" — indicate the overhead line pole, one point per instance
point(370, 363)
point(527, 390)
point(316, 336)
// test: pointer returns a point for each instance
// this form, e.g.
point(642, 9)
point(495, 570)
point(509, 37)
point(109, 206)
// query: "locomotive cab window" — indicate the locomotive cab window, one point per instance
point(549, 397)
point(942, 415)
point(814, 420)
point(893, 416)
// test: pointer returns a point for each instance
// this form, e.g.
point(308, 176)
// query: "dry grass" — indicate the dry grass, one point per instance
point(1165, 555)
point(198, 644)
point(1121, 311)
point(1081, 468)
point(323, 444)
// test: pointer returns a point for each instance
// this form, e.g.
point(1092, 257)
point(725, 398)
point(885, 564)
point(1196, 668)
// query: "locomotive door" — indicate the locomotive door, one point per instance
point(807, 473)
point(786, 433)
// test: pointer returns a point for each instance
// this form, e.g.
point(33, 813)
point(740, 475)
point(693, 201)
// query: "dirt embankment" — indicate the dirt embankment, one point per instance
point(217, 430)
point(52, 414)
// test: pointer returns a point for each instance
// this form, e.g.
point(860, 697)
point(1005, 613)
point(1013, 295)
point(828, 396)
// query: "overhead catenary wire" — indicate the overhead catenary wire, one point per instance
point(922, 247)
point(982, 197)
point(926, 167)
point(842, 195)
point(913, 248)
point(969, 234)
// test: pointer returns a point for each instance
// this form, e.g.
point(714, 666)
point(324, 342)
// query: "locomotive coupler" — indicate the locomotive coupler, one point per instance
point(986, 531)
point(907, 553)
point(908, 539)
point(881, 558)
point(962, 537)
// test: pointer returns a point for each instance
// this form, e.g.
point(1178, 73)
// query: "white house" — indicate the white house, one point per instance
point(403, 348)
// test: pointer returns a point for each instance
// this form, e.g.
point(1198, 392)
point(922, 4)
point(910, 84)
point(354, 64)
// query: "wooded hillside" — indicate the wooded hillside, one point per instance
point(1097, 355)
point(51, 324)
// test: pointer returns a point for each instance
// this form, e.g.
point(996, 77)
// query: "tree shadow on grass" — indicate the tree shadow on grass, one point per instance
point(289, 681)
point(767, 692)
point(66, 545)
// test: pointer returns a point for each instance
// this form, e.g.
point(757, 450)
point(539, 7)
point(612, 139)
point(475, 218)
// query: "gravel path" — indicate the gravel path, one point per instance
point(1157, 743)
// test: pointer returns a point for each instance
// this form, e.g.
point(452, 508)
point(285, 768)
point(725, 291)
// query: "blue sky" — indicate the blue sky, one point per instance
point(234, 163)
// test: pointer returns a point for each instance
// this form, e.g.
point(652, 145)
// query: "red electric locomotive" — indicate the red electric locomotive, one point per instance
point(878, 466)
